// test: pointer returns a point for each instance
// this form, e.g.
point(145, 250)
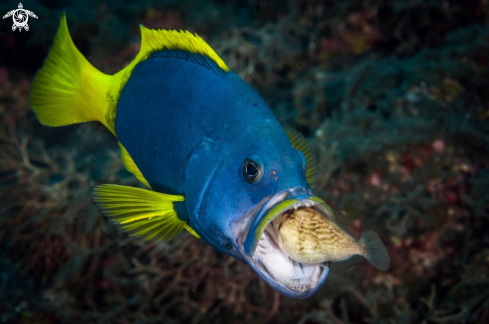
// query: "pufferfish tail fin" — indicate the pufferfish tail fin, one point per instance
point(375, 251)
point(68, 89)
point(143, 213)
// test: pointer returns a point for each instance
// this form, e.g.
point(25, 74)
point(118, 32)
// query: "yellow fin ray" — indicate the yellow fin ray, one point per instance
point(127, 219)
point(191, 231)
point(131, 166)
point(68, 89)
point(302, 144)
point(141, 212)
point(158, 40)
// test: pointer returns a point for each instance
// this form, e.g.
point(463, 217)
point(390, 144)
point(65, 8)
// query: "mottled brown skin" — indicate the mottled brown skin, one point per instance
point(308, 237)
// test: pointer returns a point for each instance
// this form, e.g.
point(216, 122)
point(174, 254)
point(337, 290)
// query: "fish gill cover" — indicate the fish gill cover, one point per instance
point(393, 96)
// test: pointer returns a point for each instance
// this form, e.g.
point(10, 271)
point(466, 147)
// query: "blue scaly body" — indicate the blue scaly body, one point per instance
point(187, 126)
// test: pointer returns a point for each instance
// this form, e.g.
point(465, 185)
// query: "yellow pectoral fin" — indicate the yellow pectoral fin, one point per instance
point(141, 212)
point(300, 143)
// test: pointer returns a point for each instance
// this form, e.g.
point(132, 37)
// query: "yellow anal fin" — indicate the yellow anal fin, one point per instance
point(131, 166)
point(143, 213)
point(68, 89)
point(302, 144)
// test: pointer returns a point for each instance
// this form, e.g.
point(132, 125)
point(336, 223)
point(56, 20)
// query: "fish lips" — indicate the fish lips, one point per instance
point(301, 280)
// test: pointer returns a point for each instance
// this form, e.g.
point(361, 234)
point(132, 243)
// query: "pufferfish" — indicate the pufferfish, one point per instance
point(213, 157)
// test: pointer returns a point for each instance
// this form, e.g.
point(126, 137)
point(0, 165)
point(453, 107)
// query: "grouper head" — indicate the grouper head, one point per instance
point(238, 183)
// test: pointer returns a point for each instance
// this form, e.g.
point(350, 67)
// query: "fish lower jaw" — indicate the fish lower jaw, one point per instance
point(296, 276)
point(258, 245)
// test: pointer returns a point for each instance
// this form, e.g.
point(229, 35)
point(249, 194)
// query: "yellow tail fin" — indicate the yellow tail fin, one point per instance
point(68, 89)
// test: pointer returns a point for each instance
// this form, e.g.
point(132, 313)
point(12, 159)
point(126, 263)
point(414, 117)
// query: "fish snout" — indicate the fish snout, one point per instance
point(299, 192)
point(284, 203)
point(267, 248)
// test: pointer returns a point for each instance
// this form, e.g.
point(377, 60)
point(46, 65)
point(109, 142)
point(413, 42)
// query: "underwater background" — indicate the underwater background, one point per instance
point(393, 95)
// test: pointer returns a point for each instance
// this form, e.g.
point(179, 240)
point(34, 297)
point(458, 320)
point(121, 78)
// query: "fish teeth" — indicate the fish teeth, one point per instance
point(306, 204)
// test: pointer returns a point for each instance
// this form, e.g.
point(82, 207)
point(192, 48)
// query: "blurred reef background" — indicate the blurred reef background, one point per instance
point(393, 94)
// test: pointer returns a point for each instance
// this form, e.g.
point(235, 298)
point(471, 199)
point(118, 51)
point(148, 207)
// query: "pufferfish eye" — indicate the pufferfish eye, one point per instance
point(253, 169)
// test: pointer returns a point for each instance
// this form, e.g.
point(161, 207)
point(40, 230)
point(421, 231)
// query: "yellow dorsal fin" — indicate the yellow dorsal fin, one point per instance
point(302, 144)
point(131, 166)
point(143, 213)
point(158, 40)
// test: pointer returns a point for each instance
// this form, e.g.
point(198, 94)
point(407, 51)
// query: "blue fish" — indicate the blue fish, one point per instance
point(213, 157)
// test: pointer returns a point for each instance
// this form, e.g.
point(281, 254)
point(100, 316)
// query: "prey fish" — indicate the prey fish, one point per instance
point(308, 237)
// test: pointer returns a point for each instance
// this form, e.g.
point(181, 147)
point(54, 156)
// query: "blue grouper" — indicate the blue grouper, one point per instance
point(215, 159)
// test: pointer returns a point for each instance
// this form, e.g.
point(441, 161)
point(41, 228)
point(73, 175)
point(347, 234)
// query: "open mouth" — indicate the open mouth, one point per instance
point(263, 252)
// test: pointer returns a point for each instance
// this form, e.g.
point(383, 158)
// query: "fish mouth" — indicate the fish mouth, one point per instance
point(260, 248)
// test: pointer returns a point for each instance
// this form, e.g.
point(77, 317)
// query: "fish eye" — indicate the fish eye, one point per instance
point(253, 169)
